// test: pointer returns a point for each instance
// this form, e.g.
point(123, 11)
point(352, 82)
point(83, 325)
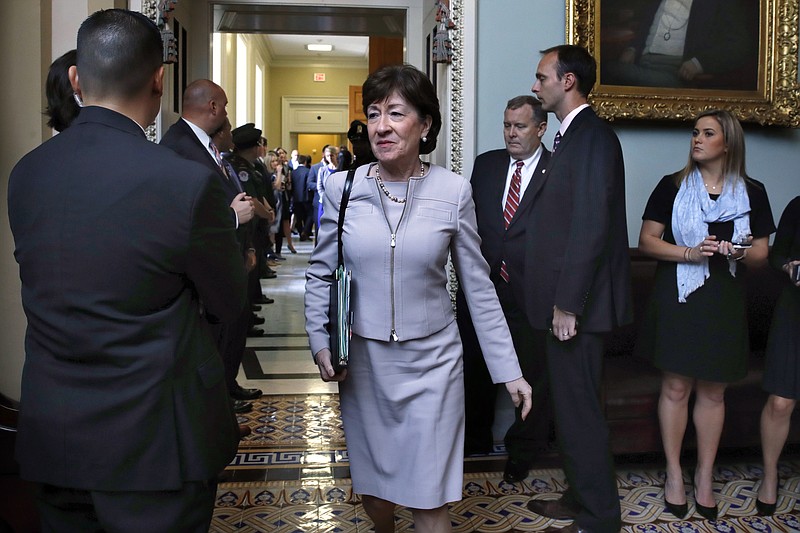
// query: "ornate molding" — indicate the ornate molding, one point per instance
point(775, 102)
point(456, 72)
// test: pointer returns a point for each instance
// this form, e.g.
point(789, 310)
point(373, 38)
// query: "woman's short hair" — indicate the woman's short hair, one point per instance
point(61, 105)
point(414, 87)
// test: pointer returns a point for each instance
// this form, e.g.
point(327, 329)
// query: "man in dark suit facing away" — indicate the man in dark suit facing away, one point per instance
point(125, 421)
point(502, 205)
point(577, 270)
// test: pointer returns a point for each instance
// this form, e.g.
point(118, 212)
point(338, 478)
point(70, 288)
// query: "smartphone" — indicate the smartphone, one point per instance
point(796, 273)
point(741, 245)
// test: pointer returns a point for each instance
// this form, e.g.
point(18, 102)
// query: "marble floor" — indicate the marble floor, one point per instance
point(292, 473)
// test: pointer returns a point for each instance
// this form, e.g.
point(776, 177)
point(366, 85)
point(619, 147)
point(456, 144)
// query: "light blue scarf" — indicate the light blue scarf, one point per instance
point(691, 213)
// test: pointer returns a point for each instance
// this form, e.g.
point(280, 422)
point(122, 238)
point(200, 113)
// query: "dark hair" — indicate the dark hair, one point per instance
point(414, 87)
point(118, 52)
point(61, 105)
point(539, 114)
point(579, 61)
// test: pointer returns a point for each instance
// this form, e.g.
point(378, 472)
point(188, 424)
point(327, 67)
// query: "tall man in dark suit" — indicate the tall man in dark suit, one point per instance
point(496, 188)
point(204, 113)
point(124, 419)
point(578, 281)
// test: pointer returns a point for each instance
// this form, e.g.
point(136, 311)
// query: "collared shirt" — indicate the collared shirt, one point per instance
point(527, 173)
point(562, 129)
point(205, 140)
point(668, 31)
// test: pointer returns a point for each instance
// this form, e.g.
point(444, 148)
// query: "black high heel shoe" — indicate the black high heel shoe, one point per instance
point(768, 509)
point(678, 510)
point(709, 513)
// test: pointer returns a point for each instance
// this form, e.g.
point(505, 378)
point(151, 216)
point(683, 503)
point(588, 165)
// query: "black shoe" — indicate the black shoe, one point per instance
point(240, 393)
point(255, 332)
point(256, 308)
point(258, 320)
point(555, 509)
point(516, 471)
point(768, 509)
point(765, 509)
point(269, 275)
point(240, 406)
point(709, 513)
point(678, 510)
point(264, 300)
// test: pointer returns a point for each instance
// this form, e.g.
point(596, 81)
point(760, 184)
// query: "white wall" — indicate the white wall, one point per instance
point(510, 35)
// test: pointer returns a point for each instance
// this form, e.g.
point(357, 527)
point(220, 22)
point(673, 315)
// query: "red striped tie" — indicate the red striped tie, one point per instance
point(512, 203)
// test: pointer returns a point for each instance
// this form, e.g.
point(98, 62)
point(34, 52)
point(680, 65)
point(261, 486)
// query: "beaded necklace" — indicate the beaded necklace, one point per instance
point(383, 188)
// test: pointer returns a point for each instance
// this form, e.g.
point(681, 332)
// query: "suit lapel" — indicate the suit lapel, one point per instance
point(575, 125)
point(539, 174)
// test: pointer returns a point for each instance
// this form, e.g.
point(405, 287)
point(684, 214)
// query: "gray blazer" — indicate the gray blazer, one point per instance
point(439, 219)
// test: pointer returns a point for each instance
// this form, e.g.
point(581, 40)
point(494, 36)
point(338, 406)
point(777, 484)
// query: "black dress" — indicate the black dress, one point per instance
point(705, 337)
point(782, 367)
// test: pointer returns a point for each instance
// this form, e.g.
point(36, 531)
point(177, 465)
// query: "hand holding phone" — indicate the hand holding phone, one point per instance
point(743, 243)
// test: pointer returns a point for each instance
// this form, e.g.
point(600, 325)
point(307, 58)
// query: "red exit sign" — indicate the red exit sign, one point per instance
point(319, 76)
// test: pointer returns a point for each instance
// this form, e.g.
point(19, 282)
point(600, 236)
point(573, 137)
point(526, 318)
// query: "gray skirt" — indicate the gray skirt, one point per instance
point(403, 411)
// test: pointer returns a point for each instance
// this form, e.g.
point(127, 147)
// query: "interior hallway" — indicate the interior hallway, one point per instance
point(292, 473)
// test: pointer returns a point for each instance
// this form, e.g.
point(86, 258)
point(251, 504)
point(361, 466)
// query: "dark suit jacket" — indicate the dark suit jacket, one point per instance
point(182, 140)
point(577, 237)
point(497, 243)
point(117, 240)
point(300, 182)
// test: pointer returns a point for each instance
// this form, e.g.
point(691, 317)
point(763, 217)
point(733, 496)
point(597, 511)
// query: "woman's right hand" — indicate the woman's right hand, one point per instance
point(521, 395)
point(325, 366)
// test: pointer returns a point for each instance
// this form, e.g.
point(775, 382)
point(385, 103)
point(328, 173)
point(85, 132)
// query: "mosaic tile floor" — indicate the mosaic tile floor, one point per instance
point(292, 475)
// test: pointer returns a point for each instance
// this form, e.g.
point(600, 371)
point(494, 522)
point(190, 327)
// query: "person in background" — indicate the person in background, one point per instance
point(362, 150)
point(265, 188)
point(300, 201)
point(285, 228)
point(782, 367)
point(246, 139)
point(62, 102)
point(125, 422)
point(344, 159)
point(402, 394)
point(580, 286)
point(695, 325)
point(502, 205)
point(325, 169)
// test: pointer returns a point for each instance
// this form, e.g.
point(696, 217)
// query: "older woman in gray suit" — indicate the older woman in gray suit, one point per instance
point(402, 396)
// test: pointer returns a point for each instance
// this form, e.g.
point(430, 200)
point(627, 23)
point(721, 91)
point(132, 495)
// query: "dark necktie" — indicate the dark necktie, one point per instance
point(512, 204)
point(556, 141)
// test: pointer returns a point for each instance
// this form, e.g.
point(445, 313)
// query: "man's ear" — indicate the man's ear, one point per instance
point(72, 73)
point(158, 81)
point(569, 81)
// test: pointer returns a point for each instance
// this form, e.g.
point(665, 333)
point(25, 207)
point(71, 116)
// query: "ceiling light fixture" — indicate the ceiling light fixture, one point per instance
point(319, 47)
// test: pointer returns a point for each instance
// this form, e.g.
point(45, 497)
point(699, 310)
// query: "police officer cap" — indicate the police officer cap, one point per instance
point(246, 136)
point(357, 131)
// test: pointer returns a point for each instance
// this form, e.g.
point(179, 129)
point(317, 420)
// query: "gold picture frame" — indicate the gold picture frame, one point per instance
point(774, 98)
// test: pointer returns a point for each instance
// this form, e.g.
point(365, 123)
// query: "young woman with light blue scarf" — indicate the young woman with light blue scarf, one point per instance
point(705, 225)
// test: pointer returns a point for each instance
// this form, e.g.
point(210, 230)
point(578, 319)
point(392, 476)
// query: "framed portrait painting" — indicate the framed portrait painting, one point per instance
point(670, 59)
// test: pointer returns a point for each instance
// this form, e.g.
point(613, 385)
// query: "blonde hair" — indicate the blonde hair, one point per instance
point(734, 164)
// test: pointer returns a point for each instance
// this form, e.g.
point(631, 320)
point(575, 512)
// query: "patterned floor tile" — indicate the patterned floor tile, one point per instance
point(302, 443)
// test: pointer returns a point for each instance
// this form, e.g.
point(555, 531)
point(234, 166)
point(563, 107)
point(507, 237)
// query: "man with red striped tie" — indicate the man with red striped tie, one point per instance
point(499, 181)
